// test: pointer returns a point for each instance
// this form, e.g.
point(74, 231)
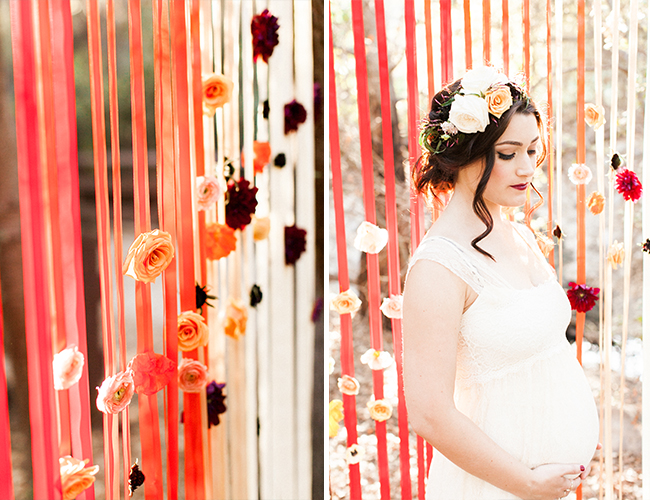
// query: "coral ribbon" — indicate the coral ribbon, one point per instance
point(6, 481)
point(429, 41)
point(486, 31)
point(526, 22)
point(468, 33)
point(549, 138)
point(347, 349)
point(505, 35)
point(445, 42)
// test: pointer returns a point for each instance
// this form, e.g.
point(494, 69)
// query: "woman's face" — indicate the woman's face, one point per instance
point(514, 163)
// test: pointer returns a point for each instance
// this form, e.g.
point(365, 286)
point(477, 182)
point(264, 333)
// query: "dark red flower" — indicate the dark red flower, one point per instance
point(264, 28)
point(646, 245)
point(216, 406)
point(295, 241)
point(136, 477)
point(241, 204)
point(582, 297)
point(294, 114)
point(255, 295)
point(628, 184)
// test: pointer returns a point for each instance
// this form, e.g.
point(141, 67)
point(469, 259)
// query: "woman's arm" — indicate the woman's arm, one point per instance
point(434, 301)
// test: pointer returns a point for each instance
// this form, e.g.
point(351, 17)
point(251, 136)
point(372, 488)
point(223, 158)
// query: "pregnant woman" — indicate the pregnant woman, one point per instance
point(490, 379)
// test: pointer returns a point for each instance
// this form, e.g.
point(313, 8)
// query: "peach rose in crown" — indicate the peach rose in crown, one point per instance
point(498, 99)
point(346, 302)
point(370, 238)
point(75, 476)
point(148, 256)
point(392, 306)
point(192, 331)
point(192, 375)
point(348, 385)
point(217, 91)
point(115, 392)
point(380, 409)
point(67, 366)
point(208, 191)
point(594, 115)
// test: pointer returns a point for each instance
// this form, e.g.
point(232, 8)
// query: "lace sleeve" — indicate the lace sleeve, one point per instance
point(449, 254)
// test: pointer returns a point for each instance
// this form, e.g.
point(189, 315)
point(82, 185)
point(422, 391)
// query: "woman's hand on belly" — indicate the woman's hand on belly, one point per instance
point(552, 481)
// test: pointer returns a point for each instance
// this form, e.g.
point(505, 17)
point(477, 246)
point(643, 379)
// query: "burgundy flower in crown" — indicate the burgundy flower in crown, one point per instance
point(241, 204)
point(295, 241)
point(628, 184)
point(294, 114)
point(582, 297)
point(264, 28)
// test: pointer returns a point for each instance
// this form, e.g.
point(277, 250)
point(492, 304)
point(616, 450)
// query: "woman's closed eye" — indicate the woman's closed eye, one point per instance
point(504, 156)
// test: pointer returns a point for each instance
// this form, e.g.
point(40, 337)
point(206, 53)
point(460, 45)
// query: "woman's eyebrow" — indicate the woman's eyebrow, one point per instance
point(516, 143)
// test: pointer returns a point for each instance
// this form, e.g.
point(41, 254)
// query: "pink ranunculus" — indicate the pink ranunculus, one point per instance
point(151, 372)
point(75, 476)
point(67, 366)
point(192, 375)
point(208, 191)
point(115, 393)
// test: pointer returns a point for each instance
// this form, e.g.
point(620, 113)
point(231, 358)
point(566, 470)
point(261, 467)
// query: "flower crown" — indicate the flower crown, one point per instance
point(483, 92)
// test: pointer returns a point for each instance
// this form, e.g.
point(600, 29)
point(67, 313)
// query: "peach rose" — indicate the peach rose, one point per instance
point(235, 318)
point(545, 244)
point(594, 115)
point(116, 392)
point(75, 476)
point(616, 254)
point(380, 409)
point(392, 306)
point(370, 238)
point(498, 99)
point(262, 151)
point(151, 372)
point(346, 302)
point(376, 360)
point(192, 331)
point(261, 227)
point(336, 415)
point(596, 203)
point(348, 385)
point(217, 91)
point(148, 256)
point(208, 191)
point(220, 240)
point(192, 375)
point(354, 454)
point(579, 173)
point(67, 366)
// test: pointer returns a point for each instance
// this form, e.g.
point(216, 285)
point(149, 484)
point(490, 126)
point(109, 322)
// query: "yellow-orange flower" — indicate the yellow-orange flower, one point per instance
point(596, 202)
point(262, 151)
point(545, 244)
point(235, 318)
point(217, 91)
point(220, 240)
point(148, 256)
point(498, 99)
point(616, 254)
point(594, 115)
point(192, 331)
point(346, 302)
point(380, 409)
point(336, 415)
point(261, 227)
point(75, 476)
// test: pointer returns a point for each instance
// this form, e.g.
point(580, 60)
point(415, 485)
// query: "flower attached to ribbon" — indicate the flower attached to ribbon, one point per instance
point(370, 238)
point(220, 240)
point(545, 244)
point(354, 454)
point(75, 476)
point(217, 91)
point(264, 28)
point(216, 405)
point(148, 256)
point(376, 360)
point(235, 318)
point(582, 297)
point(295, 243)
point(67, 367)
point(557, 232)
point(380, 409)
point(280, 160)
point(192, 331)
point(136, 478)
point(332, 365)
point(596, 202)
point(262, 152)
point(594, 115)
point(255, 295)
point(192, 375)
point(346, 302)
point(646, 246)
point(336, 415)
point(628, 184)
point(208, 191)
point(241, 204)
point(202, 297)
point(348, 385)
point(151, 372)
point(261, 227)
point(115, 392)
point(392, 306)
point(579, 173)
point(294, 114)
point(616, 254)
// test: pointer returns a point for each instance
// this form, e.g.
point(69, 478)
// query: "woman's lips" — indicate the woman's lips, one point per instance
point(520, 187)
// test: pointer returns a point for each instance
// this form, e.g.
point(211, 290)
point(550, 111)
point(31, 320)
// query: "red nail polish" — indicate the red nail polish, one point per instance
point(582, 468)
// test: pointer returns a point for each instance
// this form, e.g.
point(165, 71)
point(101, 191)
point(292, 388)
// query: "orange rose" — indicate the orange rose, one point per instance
point(261, 227)
point(380, 409)
point(346, 302)
point(545, 244)
point(75, 476)
point(616, 254)
point(348, 385)
point(220, 240)
point(594, 115)
point(499, 100)
point(596, 203)
point(217, 91)
point(262, 151)
point(192, 331)
point(236, 317)
point(148, 256)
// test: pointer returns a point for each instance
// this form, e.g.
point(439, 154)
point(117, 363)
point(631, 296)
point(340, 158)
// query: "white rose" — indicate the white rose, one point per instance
point(479, 80)
point(469, 113)
point(392, 306)
point(370, 238)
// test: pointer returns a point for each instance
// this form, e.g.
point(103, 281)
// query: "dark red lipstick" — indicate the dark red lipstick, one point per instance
point(520, 187)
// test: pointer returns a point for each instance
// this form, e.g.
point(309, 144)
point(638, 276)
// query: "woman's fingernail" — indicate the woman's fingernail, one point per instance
point(582, 468)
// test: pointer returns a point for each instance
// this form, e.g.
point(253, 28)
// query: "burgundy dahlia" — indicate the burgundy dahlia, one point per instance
point(294, 114)
point(582, 297)
point(628, 184)
point(264, 28)
point(241, 204)
point(295, 241)
point(215, 398)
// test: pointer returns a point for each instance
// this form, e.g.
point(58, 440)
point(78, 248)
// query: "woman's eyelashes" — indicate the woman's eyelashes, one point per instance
point(504, 156)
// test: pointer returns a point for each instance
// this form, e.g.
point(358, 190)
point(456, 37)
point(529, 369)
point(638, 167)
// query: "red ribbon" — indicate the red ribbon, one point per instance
point(429, 41)
point(505, 35)
point(6, 480)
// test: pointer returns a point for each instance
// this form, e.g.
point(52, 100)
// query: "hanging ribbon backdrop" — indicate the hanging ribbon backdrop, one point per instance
point(425, 27)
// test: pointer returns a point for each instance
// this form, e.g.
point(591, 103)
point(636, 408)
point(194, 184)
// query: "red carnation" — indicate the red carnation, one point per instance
point(295, 241)
point(294, 114)
point(241, 204)
point(627, 183)
point(151, 372)
point(582, 297)
point(264, 28)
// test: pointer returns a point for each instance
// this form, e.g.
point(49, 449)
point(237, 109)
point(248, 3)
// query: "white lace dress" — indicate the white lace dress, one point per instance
point(517, 377)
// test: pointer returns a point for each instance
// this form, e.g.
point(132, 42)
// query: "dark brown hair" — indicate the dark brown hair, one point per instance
point(435, 174)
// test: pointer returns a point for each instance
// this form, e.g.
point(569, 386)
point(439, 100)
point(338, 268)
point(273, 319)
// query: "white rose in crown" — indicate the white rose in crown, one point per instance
point(479, 80)
point(469, 113)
